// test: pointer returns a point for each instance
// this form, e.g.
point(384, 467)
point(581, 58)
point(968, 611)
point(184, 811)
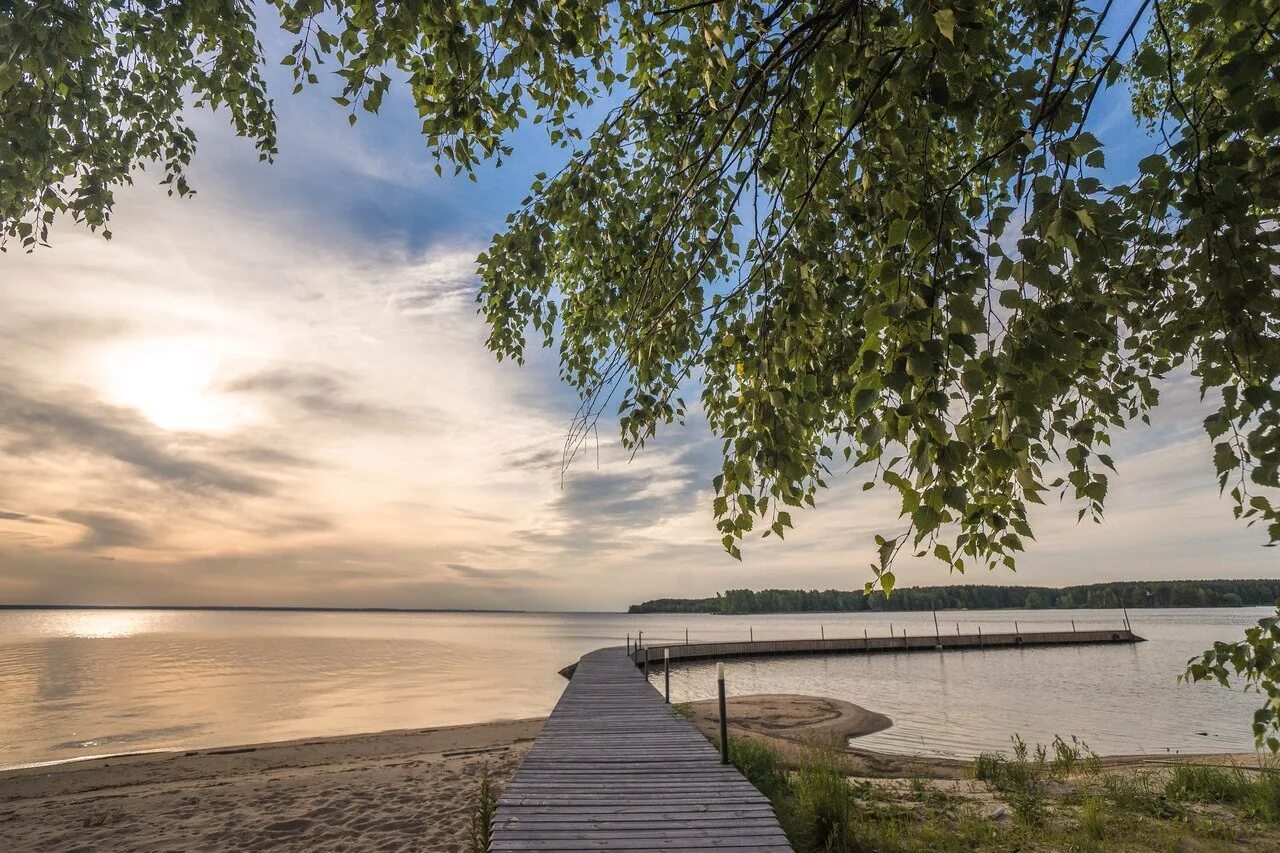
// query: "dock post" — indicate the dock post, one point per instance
point(724, 722)
point(639, 640)
point(1125, 610)
point(752, 634)
point(866, 641)
point(1073, 626)
point(1015, 627)
point(937, 633)
point(686, 636)
point(823, 630)
point(905, 644)
point(980, 644)
point(666, 672)
point(957, 629)
point(646, 663)
point(628, 645)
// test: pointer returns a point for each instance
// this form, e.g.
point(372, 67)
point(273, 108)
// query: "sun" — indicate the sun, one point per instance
point(172, 383)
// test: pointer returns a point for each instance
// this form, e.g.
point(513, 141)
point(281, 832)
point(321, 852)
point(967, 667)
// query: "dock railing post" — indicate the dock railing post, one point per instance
point(1125, 610)
point(646, 663)
point(1015, 627)
point(937, 633)
point(866, 641)
point(823, 630)
point(666, 672)
point(980, 645)
point(724, 721)
point(686, 636)
point(628, 645)
point(752, 634)
point(1073, 626)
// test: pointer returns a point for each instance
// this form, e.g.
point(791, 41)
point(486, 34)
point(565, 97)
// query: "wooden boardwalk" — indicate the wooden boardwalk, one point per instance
point(614, 769)
point(921, 642)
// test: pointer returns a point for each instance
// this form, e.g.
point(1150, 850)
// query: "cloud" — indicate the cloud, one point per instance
point(105, 530)
point(40, 425)
point(8, 515)
point(320, 394)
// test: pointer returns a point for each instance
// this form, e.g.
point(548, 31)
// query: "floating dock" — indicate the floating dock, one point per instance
point(688, 652)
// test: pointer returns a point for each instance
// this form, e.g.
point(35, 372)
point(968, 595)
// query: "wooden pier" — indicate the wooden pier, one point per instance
point(615, 769)
point(924, 642)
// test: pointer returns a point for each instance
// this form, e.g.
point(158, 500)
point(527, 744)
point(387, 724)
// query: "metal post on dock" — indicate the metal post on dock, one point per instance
point(937, 633)
point(666, 672)
point(628, 644)
point(1125, 610)
point(905, 644)
point(823, 630)
point(639, 640)
point(1073, 626)
point(980, 645)
point(724, 721)
point(866, 641)
point(752, 629)
point(646, 663)
point(1015, 627)
point(957, 629)
point(686, 636)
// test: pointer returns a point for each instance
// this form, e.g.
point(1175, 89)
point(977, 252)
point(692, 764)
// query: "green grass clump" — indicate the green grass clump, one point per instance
point(1255, 793)
point(480, 836)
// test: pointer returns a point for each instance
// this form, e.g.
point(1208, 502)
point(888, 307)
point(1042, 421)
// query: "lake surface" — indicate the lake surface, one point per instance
point(83, 683)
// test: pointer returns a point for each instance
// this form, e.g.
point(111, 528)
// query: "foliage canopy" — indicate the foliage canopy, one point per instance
point(874, 233)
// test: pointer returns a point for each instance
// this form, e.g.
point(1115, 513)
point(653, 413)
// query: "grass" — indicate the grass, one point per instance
point(480, 836)
point(1060, 797)
point(1256, 793)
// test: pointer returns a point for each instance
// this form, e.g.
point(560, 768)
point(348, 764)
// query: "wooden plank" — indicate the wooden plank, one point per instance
point(614, 769)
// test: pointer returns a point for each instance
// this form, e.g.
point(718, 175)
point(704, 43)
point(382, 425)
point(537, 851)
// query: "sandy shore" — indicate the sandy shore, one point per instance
point(408, 790)
point(405, 790)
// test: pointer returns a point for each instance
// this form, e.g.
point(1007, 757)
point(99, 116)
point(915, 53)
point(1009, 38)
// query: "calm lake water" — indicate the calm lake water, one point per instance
point(82, 683)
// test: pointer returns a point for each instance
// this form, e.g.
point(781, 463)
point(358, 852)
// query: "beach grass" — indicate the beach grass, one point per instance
point(1055, 797)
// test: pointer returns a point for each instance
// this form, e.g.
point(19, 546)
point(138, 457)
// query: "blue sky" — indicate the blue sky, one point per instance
point(276, 392)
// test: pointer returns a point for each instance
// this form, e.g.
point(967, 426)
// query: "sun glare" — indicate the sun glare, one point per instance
point(172, 384)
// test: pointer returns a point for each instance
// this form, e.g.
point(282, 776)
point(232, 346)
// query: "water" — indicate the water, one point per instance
point(82, 683)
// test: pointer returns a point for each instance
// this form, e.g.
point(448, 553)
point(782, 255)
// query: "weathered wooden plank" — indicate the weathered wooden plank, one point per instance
point(614, 769)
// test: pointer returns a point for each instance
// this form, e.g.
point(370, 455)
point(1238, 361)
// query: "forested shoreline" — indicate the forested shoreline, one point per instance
point(1192, 593)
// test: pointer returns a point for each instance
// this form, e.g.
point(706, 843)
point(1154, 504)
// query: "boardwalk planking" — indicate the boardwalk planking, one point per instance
point(614, 769)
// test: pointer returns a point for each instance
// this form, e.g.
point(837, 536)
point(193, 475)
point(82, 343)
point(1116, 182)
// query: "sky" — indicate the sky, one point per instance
point(277, 393)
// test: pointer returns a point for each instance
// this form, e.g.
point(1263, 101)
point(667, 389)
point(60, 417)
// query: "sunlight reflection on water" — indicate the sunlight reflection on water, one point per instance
point(75, 683)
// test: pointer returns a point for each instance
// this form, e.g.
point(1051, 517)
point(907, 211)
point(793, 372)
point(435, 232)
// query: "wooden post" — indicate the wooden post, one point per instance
point(866, 641)
point(628, 645)
point(752, 629)
point(686, 636)
point(666, 672)
point(980, 644)
point(957, 629)
point(1015, 627)
point(639, 640)
point(646, 663)
point(904, 638)
point(937, 634)
point(724, 722)
point(1073, 626)
point(1126, 618)
point(823, 630)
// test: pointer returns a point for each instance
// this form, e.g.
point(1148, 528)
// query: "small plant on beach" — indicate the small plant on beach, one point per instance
point(1256, 793)
point(481, 833)
point(822, 814)
point(760, 765)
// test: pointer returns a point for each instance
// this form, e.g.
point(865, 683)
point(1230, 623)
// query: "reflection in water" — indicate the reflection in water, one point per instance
point(75, 683)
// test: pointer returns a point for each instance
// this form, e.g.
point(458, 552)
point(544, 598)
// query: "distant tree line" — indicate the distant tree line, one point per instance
point(1210, 593)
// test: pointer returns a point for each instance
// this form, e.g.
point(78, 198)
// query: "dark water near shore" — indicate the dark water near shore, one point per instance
point(79, 683)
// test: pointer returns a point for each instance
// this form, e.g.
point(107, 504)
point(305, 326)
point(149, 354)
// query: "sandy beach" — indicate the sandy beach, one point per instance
point(405, 790)
point(399, 790)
